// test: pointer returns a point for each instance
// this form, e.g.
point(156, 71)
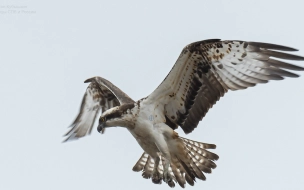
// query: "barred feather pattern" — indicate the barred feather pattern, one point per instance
point(102, 95)
point(208, 69)
point(197, 162)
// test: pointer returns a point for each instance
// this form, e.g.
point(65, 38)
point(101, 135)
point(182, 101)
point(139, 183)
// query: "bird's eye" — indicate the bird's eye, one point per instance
point(102, 119)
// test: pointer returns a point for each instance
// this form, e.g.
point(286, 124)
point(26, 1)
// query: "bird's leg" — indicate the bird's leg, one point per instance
point(162, 146)
point(156, 178)
point(166, 164)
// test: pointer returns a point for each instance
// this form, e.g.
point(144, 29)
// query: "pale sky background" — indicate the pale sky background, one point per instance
point(50, 47)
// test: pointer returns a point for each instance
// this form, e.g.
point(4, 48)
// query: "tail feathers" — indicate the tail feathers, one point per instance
point(161, 168)
point(189, 180)
point(202, 167)
point(179, 176)
point(199, 144)
point(186, 167)
point(145, 164)
point(191, 168)
point(148, 169)
point(140, 164)
point(201, 160)
point(199, 173)
point(200, 148)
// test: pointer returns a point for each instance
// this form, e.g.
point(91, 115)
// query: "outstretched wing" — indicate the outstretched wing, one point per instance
point(100, 95)
point(206, 70)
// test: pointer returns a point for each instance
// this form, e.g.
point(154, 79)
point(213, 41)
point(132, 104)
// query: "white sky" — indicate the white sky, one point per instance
point(50, 47)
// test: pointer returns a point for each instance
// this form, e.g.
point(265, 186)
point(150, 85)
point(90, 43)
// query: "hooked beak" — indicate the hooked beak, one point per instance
point(101, 127)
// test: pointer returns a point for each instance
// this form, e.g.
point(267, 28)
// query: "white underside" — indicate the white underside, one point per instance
point(150, 131)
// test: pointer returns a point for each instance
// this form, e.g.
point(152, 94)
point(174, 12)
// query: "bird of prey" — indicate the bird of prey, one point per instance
point(202, 74)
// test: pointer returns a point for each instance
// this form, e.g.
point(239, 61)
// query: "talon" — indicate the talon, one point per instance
point(171, 183)
point(167, 177)
point(156, 178)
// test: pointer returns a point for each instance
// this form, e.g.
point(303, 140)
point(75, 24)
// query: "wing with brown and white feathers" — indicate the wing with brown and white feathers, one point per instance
point(206, 70)
point(100, 95)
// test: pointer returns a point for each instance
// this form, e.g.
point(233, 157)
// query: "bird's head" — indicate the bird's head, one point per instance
point(116, 116)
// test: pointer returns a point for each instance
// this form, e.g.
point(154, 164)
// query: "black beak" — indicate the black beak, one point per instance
point(101, 127)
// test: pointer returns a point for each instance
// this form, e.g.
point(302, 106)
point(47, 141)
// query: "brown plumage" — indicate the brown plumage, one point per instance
point(202, 74)
point(193, 164)
point(206, 70)
point(100, 94)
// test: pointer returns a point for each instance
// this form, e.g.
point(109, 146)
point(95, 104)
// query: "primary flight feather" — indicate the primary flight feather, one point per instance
point(202, 74)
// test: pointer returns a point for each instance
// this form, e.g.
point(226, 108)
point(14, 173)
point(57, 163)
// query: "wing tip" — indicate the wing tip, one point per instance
point(96, 78)
point(71, 137)
point(272, 46)
point(68, 139)
point(65, 140)
point(89, 80)
point(293, 75)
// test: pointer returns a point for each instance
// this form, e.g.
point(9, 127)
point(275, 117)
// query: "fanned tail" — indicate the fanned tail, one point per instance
point(145, 164)
point(186, 167)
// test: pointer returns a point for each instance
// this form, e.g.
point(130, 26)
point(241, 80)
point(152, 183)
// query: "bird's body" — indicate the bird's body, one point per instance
point(157, 139)
point(203, 73)
point(144, 130)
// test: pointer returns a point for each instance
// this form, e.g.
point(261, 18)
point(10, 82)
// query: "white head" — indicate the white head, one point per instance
point(116, 116)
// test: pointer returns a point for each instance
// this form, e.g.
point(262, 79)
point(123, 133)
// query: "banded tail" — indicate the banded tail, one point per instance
point(183, 168)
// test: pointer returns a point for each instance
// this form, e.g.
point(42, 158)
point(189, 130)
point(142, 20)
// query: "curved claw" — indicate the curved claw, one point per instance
point(156, 177)
point(101, 128)
point(167, 177)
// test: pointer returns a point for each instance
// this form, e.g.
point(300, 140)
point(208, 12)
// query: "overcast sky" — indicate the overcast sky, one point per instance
point(48, 48)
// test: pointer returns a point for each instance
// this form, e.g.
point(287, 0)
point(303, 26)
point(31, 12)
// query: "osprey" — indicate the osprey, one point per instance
point(202, 74)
